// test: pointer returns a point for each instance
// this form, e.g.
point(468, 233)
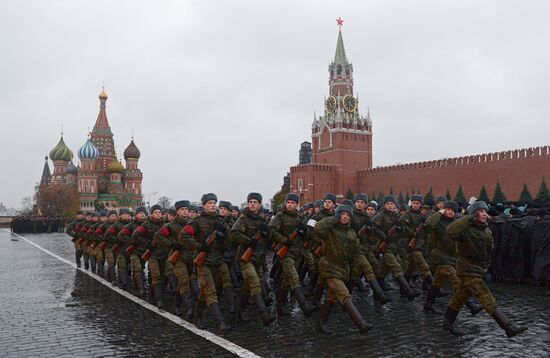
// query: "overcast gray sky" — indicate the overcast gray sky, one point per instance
point(220, 94)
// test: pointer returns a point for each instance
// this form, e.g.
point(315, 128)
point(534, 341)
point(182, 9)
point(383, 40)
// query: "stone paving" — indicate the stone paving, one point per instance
point(51, 309)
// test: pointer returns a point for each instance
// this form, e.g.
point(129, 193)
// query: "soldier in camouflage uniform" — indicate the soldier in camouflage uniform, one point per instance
point(212, 272)
point(245, 232)
point(71, 230)
point(142, 239)
point(119, 256)
point(103, 251)
point(96, 236)
point(443, 256)
point(341, 249)
point(128, 249)
point(474, 244)
point(388, 222)
point(89, 236)
point(367, 234)
point(81, 234)
point(230, 250)
point(284, 224)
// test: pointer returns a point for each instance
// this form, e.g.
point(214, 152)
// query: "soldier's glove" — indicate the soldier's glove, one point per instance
point(176, 247)
point(219, 235)
point(264, 230)
point(205, 247)
point(289, 243)
point(301, 229)
point(252, 243)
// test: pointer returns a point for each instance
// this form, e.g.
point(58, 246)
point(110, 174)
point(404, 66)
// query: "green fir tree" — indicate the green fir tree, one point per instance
point(429, 195)
point(543, 193)
point(460, 197)
point(499, 196)
point(448, 194)
point(483, 195)
point(401, 199)
point(525, 196)
point(349, 194)
point(380, 199)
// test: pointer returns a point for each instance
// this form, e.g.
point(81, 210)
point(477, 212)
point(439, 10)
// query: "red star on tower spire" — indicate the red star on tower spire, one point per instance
point(339, 21)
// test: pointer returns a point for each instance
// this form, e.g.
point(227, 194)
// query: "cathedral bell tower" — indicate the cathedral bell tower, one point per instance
point(341, 137)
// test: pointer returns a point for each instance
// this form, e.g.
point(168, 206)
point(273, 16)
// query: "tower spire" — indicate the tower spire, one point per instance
point(46, 174)
point(340, 56)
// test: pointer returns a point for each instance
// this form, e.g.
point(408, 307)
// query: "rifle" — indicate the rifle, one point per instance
point(384, 244)
point(249, 250)
point(199, 260)
point(284, 248)
point(412, 243)
point(147, 254)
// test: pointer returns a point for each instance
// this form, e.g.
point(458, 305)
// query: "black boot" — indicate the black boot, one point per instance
point(318, 294)
point(108, 275)
point(199, 311)
point(306, 308)
point(230, 298)
point(218, 317)
point(112, 273)
point(242, 313)
point(122, 279)
point(172, 283)
point(356, 317)
point(281, 297)
point(78, 255)
point(474, 309)
point(449, 320)
point(178, 304)
point(138, 281)
point(430, 300)
point(427, 283)
point(157, 294)
point(506, 325)
point(313, 278)
point(93, 264)
point(378, 293)
point(190, 304)
point(406, 290)
point(443, 293)
point(384, 285)
point(324, 316)
point(100, 268)
point(86, 261)
point(266, 317)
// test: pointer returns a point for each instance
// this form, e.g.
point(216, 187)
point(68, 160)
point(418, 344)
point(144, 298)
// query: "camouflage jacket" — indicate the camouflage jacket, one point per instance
point(142, 237)
point(244, 230)
point(125, 235)
point(282, 226)
point(198, 230)
point(443, 248)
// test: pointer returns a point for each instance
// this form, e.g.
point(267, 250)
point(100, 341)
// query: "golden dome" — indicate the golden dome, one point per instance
point(103, 94)
point(115, 166)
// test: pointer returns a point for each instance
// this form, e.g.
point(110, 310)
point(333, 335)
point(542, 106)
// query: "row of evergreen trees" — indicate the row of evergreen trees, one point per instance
point(498, 195)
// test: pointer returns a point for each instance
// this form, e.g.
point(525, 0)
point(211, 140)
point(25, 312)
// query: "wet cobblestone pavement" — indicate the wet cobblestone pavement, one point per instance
point(48, 308)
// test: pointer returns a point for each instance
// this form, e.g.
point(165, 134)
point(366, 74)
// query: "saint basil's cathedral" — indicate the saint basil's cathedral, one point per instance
point(100, 179)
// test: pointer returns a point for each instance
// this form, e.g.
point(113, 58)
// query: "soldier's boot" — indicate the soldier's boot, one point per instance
point(242, 313)
point(100, 268)
point(430, 300)
point(138, 281)
point(378, 293)
point(504, 323)
point(383, 284)
point(122, 279)
point(86, 261)
point(108, 276)
point(190, 303)
point(93, 265)
point(199, 312)
point(449, 321)
point(178, 304)
point(112, 273)
point(172, 283)
point(230, 299)
point(282, 308)
point(443, 293)
point(324, 317)
point(409, 279)
point(427, 283)
point(474, 309)
point(356, 317)
point(78, 255)
point(313, 278)
point(266, 317)
point(218, 317)
point(266, 292)
point(157, 293)
point(306, 308)
point(406, 290)
point(361, 285)
point(318, 294)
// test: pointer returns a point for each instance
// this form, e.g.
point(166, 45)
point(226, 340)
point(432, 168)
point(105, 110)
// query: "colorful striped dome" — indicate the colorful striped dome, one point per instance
point(132, 151)
point(61, 152)
point(88, 151)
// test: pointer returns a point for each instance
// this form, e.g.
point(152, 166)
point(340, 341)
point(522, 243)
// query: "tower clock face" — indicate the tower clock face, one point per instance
point(349, 103)
point(330, 104)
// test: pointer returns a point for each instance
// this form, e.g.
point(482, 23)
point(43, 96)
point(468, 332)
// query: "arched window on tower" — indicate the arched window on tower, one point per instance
point(347, 71)
point(339, 70)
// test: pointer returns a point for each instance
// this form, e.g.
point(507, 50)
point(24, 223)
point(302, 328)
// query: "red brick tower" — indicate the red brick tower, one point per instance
point(341, 138)
point(102, 138)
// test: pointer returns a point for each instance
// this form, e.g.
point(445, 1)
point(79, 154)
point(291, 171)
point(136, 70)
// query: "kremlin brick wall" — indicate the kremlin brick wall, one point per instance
point(512, 169)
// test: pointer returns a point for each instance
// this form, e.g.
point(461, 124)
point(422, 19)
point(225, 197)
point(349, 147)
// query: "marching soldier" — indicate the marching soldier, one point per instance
point(340, 248)
point(209, 231)
point(474, 243)
point(283, 225)
point(104, 248)
point(118, 251)
point(72, 230)
point(251, 233)
point(97, 237)
point(127, 248)
point(90, 240)
point(142, 239)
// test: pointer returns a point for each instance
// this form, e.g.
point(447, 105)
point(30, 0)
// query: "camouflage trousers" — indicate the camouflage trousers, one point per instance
point(99, 253)
point(291, 279)
point(337, 290)
point(416, 261)
point(445, 273)
point(109, 257)
point(137, 264)
point(473, 287)
point(156, 270)
point(78, 247)
point(251, 277)
point(182, 270)
point(122, 262)
point(390, 263)
point(362, 267)
point(210, 278)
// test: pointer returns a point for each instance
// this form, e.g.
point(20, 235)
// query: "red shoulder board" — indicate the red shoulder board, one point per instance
point(111, 230)
point(164, 231)
point(90, 231)
point(141, 230)
point(125, 231)
point(99, 230)
point(189, 230)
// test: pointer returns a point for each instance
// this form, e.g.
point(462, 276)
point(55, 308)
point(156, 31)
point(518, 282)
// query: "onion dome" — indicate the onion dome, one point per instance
point(103, 95)
point(88, 151)
point(132, 151)
point(115, 166)
point(71, 169)
point(61, 152)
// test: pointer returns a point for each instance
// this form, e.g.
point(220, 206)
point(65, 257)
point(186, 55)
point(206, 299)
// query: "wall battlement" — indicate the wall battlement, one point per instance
point(311, 166)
